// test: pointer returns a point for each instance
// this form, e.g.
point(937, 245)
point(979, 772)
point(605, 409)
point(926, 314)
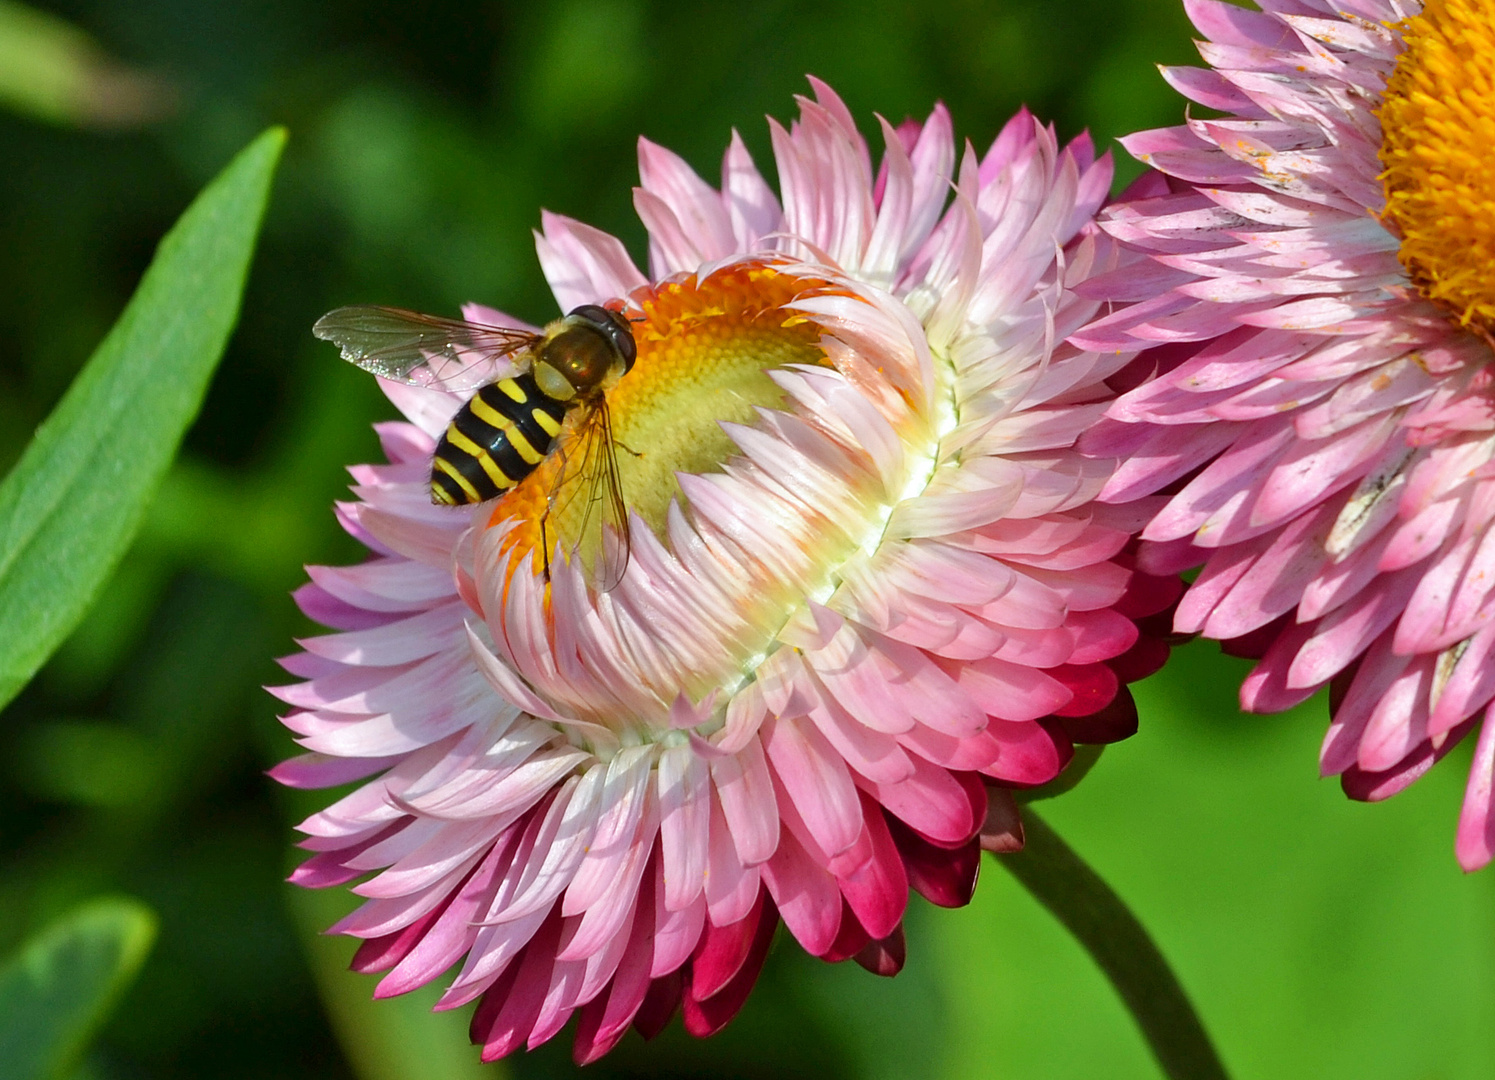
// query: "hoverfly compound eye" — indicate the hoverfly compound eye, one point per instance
point(593, 313)
point(622, 335)
point(612, 326)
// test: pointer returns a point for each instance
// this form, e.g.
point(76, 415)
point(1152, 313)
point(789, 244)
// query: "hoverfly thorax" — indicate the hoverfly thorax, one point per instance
point(584, 354)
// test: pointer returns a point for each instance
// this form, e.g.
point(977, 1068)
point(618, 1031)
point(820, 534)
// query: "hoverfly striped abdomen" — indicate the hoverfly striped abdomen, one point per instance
point(495, 440)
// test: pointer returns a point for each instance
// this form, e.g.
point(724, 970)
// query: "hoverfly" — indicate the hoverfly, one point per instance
point(535, 394)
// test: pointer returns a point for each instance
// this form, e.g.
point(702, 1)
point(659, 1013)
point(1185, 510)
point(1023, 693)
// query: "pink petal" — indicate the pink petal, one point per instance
point(722, 952)
point(699, 210)
point(685, 813)
point(878, 890)
point(623, 798)
point(750, 202)
point(603, 1022)
point(605, 917)
point(676, 933)
point(1476, 839)
point(583, 265)
point(816, 781)
point(504, 1020)
point(705, 1017)
point(931, 801)
point(806, 895)
point(744, 788)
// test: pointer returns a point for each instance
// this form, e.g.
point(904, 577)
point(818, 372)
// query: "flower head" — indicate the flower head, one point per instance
point(1320, 306)
point(869, 592)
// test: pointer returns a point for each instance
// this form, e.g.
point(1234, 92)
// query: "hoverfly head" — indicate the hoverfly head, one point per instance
point(615, 327)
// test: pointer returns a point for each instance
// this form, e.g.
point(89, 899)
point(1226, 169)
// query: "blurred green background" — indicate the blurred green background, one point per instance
point(1319, 938)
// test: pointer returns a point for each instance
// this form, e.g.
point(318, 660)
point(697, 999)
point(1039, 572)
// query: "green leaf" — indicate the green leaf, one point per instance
point(53, 71)
point(57, 991)
point(71, 506)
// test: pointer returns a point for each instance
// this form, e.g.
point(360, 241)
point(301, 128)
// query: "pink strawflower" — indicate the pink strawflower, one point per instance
point(1320, 307)
point(869, 594)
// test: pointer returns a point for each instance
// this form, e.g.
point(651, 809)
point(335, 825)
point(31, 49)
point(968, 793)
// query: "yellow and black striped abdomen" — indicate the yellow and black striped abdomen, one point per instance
point(494, 441)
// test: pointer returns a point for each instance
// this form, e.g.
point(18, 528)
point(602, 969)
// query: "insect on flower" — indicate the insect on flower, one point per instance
point(536, 394)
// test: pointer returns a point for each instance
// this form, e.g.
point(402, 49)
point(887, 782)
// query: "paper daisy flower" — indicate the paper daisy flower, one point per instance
point(1321, 306)
point(869, 593)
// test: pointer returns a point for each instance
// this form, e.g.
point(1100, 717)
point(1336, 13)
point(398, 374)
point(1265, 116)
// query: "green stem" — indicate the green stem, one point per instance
point(1061, 881)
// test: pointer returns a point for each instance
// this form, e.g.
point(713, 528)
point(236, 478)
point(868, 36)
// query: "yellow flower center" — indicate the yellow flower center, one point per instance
point(1438, 120)
point(705, 349)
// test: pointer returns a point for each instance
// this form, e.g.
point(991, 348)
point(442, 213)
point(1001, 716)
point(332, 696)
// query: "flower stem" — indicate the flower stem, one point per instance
point(1062, 882)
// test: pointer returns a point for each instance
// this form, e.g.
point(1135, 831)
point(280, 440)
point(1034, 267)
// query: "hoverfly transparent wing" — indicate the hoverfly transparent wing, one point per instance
point(587, 496)
point(424, 350)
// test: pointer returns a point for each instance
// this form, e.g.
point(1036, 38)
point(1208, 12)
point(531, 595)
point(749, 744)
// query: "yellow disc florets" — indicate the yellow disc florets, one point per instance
point(1438, 149)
